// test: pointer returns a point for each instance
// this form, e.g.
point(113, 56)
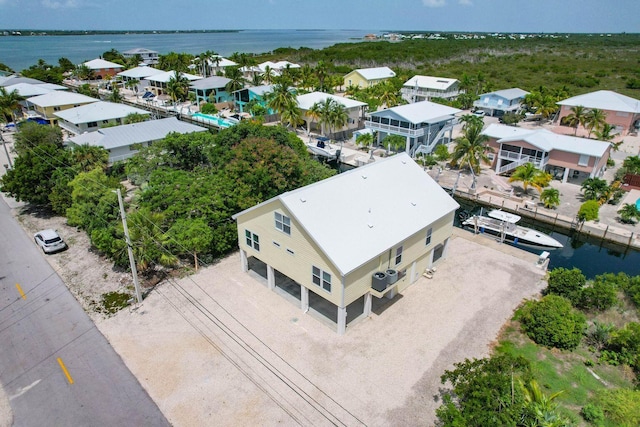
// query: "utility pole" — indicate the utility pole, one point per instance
point(132, 262)
point(4, 144)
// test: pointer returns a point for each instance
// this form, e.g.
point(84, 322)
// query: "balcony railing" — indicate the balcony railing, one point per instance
point(409, 92)
point(398, 130)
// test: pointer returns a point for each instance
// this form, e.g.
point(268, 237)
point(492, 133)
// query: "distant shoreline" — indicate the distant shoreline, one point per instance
point(44, 33)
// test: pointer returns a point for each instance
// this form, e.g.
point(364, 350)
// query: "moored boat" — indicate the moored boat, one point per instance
point(321, 147)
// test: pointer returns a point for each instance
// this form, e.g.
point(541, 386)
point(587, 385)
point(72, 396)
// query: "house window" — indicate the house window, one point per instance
point(92, 124)
point(252, 240)
point(428, 241)
point(104, 122)
point(283, 223)
point(321, 278)
point(119, 121)
point(398, 255)
point(584, 160)
point(56, 108)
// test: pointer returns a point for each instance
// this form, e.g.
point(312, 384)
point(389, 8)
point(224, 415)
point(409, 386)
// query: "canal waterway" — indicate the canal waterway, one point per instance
point(592, 256)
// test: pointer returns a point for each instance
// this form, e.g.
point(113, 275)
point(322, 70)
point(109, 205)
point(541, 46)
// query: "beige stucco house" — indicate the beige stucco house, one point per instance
point(368, 77)
point(563, 156)
point(336, 246)
point(621, 111)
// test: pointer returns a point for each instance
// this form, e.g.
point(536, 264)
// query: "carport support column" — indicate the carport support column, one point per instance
point(408, 145)
point(304, 298)
point(342, 320)
point(565, 177)
point(244, 261)
point(271, 278)
point(367, 304)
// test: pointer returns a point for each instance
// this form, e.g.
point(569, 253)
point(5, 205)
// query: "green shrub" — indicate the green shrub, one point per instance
point(552, 322)
point(589, 211)
point(626, 343)
point(621, 406)
point(441, 152)
point(565, 283)
point(208, 108)
point(592, 414)
point(600, 295)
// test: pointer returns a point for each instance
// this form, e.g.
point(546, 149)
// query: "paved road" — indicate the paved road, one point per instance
point(55, 366)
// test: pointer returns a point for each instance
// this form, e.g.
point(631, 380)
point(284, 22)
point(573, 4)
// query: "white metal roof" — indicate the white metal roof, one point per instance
point(513, 93)
point(223, 62)
point(376, 73)
point(421, 112)
point(280, 65)
point(429, 82)
point(125, 135)
point(358, 215)
point(210, 83)
point(97, 111)
point(546, 140)
point(165, 76)
point(138, 51)
point(99, 64)
point(52, 86)
point(26, 89)
point(140, 73)
point(56, 98)
point(12, 80)
point(306, 101)
point(604, 100)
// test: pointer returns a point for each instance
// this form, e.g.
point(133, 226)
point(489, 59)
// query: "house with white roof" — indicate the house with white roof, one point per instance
point(211, 89)
point(423, 124)
point(158, 82)
point(398, 224)
point(277, 67)
point(355, 110)
point(368, 77)
point(91, 117)
point(147, 56)
point(217, 64)
point(622, 111)
point(102, 68)
point(26, 90)
point(14, 79)
point(139, 73)
point(563, 156)
point(501, 101)
point(423, 88)
point(47, 105)
point(122, 142)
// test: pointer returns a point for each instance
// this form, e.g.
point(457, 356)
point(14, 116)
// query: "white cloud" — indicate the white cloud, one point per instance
point(60, 4)
point(434, 3)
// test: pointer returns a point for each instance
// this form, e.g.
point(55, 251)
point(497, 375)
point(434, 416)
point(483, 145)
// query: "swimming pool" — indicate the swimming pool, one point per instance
point(218, 121)
point(638, 204)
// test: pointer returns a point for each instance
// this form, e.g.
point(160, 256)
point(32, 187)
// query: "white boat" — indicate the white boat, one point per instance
point(321, 147)
point(503, 224)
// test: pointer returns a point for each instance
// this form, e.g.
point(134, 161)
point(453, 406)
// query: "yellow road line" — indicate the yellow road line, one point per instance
point(64, 369)
point(20, 291)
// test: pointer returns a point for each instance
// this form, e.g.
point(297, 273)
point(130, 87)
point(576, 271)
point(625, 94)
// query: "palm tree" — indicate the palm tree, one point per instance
point(542, 408)
point(291, 114)
point(396, 142)
point(132, 85)
point(365, 140)
point(268, 74)
point(471, 148)
point(594, 188)
point(9, 103)
point(88, 157)
point(577, 117)
point(236, 79)
point(550, 197)
point(306, 77)
point(605, 133)
point(314, 113)
point(471, 120)
point(321, 71)
point(629, 213)
point(177, 87)
point(388, 95)
point(281, 99)
point(338, 116)
point(257, 80)
point(526, 174)
point(595, 118)
point(115, 95)
point(83, 72)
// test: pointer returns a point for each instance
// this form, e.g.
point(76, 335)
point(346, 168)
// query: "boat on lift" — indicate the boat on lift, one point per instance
point(504, 225)
point(321, 147)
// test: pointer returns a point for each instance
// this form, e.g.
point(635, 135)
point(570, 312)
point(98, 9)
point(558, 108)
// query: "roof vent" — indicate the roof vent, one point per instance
point(413, 203)
point(303, 200)
point(364, 176)
point(369, 225)
point(404, 162)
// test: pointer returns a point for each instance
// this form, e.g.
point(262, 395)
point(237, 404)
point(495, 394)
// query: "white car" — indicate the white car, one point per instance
point(479, 113)
point(49, 241)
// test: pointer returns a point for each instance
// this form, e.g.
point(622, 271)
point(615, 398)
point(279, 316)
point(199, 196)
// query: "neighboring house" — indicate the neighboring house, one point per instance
point(211, 89)
point(26, 90)
point(368, 77)
point(323, 243)
point(423, 88)
point(91, 117)
point(14, 80)
point(122, 142)
point(622, 111)
point(49, 104)
point(355, 110)
point(217, 64)
point(502, 101)
point(278, 66)
point(423, 124)
point(563, 156)
point(139, 73)
point(103, 69)
point(158, 82)
point(256, 93)
point(148, 56)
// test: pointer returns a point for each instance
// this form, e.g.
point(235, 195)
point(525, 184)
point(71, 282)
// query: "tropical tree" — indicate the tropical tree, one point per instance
point(132, 85)
point(629, 213)
point(178, 87)
point(594, 188)
point(470, 148)
point(88, 157)
point(115, 95)
point(83, 72)
point(257, 79)
point(365, 140)
point(236, 79)
point(550, 197)
point(307, 77)
point(540, 409)
point(175, 61)
point(529, 175)
point(314, 113)
point(148, 239)
point(606, 132)
point(9, 103)
point(441, 151)
point(577, 117)
point(388, 94)
point(338, 116)
point(291, 115)
point(321, 72)
point(396, 142)
point(135, 118)
point(594, 120)
point(192, 236)
point(268, 75)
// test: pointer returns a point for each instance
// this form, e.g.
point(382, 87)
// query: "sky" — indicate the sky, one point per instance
point(571, 16)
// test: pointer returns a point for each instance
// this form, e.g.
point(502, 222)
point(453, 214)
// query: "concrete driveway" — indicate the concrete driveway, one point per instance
point(220, 347)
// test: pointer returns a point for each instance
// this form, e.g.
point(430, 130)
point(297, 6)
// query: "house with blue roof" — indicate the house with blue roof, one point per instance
point(501, 101)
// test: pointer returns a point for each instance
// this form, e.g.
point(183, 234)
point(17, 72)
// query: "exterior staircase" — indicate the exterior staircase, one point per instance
point(510, 166)
point(427, 148)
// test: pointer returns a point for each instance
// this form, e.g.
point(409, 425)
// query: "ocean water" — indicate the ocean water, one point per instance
point(20, 52)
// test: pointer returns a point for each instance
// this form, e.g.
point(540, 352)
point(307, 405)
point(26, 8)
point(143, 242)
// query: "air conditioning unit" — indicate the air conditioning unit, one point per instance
point(379, 281)
point(392, 276)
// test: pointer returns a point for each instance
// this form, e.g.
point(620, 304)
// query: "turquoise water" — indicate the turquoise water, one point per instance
point(638, 204)
point(222, 123)
point(20, 52)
